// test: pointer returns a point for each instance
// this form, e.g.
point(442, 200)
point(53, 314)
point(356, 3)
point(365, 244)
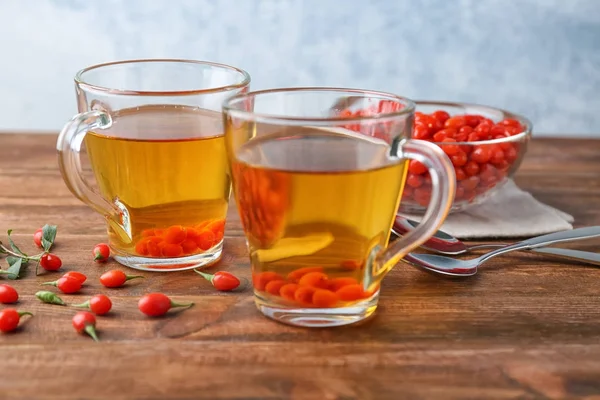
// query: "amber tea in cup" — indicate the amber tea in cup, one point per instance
point(317, 200)
point(158, 157)
point(175, 190)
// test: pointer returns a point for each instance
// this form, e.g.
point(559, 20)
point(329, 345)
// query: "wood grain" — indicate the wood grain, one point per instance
point(524, 328)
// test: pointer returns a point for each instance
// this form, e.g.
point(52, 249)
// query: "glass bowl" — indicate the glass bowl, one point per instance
point(482, 167)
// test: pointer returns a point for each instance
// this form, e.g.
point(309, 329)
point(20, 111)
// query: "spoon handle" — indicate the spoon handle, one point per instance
point(564, 236)
point(546, 240)
point(574, 255)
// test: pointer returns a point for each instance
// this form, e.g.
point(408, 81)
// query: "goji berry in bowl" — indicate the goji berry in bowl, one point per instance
point(485, 144)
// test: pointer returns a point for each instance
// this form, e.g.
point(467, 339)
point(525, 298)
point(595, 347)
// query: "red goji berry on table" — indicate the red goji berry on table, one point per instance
point(8, 294)
point(101, 252)
point(116, 278)
point(85, 322)
point(50, 262)
point(157, 304)
point(76, 275)
point(99, 304)
point(9, 319)
point(37, 237)
point(221, 280)
point(66, 284)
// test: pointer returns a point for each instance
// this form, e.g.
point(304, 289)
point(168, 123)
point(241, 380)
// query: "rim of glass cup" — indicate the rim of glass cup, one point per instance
point(514, 138)
point(79, 78)
point(231, 106)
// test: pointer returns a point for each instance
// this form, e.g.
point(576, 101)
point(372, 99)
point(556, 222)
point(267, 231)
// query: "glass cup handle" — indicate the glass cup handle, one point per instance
point(443, 182)
point(68, 146)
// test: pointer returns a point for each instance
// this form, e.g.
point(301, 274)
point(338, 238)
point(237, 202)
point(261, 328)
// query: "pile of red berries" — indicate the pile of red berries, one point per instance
point(478, 166)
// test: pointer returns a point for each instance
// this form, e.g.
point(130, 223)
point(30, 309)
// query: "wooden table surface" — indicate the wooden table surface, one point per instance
point(525, 327)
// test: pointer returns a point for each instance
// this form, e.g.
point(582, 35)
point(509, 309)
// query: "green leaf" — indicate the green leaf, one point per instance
point(13, 246)
point(48, 236)
point(14, 267)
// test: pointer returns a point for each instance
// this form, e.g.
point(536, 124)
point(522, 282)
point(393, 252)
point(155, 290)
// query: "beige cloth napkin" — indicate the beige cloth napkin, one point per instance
point(511, 212)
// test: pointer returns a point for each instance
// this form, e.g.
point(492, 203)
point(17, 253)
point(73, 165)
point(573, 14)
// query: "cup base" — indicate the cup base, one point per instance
point(171, 264)
point(318, 317)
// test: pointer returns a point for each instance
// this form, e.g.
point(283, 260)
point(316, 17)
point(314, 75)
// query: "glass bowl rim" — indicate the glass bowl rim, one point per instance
point(525, 134)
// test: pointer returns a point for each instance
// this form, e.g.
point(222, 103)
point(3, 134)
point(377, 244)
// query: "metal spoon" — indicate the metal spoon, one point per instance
point(444, 243)
point(459, 268)
point(441, 242)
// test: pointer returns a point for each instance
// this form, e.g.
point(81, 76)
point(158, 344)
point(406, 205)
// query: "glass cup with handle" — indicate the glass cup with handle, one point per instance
point(317, 176)
point(153, 134)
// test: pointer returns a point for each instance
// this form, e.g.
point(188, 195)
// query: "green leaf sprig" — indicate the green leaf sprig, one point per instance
point(17, 258)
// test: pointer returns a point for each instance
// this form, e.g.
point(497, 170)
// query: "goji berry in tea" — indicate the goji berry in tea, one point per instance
point(351, 265)
point(189, 246)
point(314, 279)
point(324, 298)
point(274, 287)
point(261, 279)
point(171, 250)
point(304, 294)
point(371, 291)
point(262, 202)
point(350, 292)
point(178, 240)
point(217, 227)
point(288, 291)
point(337, 283)
point(205, 240)
point(175, 234)
point(296, 274)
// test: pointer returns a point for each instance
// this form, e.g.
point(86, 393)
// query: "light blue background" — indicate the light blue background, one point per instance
point(540, 58)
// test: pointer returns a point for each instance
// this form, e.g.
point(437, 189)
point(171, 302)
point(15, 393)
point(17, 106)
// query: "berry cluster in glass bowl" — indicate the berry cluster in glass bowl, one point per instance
point(485, 144)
